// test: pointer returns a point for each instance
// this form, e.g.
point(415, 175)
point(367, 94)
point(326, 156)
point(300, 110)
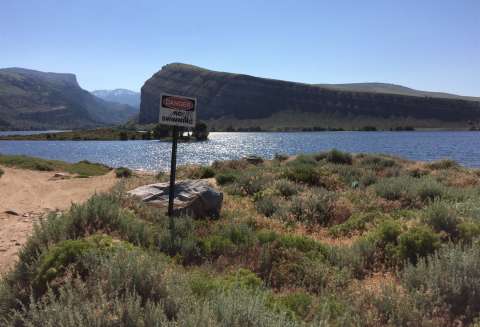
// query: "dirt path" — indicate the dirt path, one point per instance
point(31, 194)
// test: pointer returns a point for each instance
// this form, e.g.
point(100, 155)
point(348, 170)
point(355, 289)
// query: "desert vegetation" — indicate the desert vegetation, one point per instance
point(82, 168)
point(327, 239)
point(121, 133)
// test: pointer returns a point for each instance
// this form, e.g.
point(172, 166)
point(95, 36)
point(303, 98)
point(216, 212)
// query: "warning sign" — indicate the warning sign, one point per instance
point(177, 110)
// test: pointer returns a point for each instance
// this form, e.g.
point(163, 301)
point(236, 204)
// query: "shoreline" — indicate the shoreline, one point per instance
point(88, 135)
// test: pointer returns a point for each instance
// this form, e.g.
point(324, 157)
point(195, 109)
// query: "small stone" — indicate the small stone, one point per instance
point(61, 176)
point(254, 160)
point(12, 212)
point(17, 244)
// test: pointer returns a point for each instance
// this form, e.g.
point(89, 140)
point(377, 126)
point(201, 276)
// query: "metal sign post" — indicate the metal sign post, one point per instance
point(173, 170)
point(176, 110)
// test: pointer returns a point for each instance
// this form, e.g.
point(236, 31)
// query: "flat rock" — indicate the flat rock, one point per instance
point(196, 198)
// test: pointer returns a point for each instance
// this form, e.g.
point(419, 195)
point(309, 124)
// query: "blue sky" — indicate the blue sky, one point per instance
point(424, 44)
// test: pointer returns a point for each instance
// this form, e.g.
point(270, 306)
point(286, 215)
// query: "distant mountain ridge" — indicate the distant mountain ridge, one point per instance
point(122, 96)
point(238, 100)
point(388, 88)
point(31, 99)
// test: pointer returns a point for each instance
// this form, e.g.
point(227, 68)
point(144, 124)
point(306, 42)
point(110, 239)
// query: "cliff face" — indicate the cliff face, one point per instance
point(37, 100)
point(247, 98)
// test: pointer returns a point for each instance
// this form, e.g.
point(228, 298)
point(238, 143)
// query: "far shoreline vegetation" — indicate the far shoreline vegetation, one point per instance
point(118, 133)
point(199, 133)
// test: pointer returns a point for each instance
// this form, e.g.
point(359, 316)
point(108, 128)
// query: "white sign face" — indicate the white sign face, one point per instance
point(177, 110)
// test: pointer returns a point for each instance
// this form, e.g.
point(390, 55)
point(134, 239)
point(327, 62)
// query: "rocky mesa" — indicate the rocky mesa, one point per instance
point(242, 100)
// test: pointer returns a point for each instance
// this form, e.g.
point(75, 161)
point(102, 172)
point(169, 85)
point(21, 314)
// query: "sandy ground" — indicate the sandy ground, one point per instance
point(31, 194)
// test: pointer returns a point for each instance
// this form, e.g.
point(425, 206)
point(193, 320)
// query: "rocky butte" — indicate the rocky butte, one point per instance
point(243, 100)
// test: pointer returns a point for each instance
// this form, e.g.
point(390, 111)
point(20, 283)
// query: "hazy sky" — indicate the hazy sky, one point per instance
point(425, 44)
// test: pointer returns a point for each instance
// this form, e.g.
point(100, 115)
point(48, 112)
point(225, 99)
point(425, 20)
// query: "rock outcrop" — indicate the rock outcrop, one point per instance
point(194, 198)
point(243, 98)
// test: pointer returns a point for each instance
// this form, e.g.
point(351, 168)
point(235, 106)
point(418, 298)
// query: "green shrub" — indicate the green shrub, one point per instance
point(468, 231)
point(409, 189)
point(387, 232)
point(429, 189)
point(24, 162)
point(266, 236)
point(356, 223)
point(205, 285)
point(216, 245)
point(285, 188)
point(81, 168)
point(450, 280)
point(307, 159)
point(376, 162)
point(1, 172)
point(300, 243)
point(442, 164)
point(356, 258)
point(202, 172)
point(243, 278)
point(207, 172)
point(123, 172)
point(395, 308)
point(267, 205)
point(230, 165)
point(251, 182)
point(416, 243)
point(85, 168)
point(320, 277)
point(395, 188)
point(338, 157)
point(368, 179)
point(226, 177)
point(42, 166)
point(312, 208)
point(442, 218)
point(282, 267)
point(298, 303)
point(240, 234)
point(350, 175)
point(302, 173)
point(54, 263)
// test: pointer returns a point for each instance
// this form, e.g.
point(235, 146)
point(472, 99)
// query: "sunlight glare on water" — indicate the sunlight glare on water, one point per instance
point(463, 147)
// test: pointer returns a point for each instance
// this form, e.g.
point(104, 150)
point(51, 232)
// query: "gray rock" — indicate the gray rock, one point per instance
point(194, 198)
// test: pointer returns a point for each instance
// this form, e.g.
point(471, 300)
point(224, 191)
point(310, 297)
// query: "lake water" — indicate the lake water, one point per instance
point(463, 147)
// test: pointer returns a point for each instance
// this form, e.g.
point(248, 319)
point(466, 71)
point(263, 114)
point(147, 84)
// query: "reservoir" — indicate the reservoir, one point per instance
point(461, 146)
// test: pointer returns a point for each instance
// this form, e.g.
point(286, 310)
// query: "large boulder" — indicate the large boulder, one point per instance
point(194, 198)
